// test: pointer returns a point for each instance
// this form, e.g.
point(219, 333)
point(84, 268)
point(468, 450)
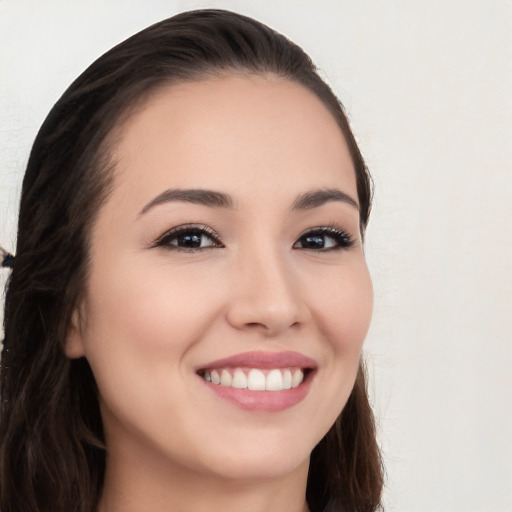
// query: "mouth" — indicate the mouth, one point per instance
point(260, 381)
point(256, 379)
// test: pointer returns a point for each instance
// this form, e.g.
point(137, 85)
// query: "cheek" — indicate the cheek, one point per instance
point(344, 308)
point(142, 322)
point(147, 311)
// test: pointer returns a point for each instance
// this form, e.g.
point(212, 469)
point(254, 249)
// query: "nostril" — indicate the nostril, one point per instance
point(254, 325)
point(269, 327)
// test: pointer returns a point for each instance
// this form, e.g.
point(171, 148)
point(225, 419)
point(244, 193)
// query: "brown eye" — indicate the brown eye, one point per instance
point(313, 241)
point(189, 238)
point(325, 238)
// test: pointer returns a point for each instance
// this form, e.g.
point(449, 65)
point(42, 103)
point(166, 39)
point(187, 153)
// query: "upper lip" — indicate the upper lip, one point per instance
point(257, 359)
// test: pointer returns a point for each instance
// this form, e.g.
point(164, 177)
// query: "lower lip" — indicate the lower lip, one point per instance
point(264, 401)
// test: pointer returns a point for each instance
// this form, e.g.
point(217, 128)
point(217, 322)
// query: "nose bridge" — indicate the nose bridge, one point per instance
point(265, 296)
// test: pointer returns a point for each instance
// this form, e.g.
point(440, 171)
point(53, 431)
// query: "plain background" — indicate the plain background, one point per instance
point(428, 87)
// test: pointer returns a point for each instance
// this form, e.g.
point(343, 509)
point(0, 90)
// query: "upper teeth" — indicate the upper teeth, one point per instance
point(256, 380)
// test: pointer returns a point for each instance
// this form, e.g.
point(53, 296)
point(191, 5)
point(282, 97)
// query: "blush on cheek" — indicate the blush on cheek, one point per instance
point(357, 320)
point(346, 311)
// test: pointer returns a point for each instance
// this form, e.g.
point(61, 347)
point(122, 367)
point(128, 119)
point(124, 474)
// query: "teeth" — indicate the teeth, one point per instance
point(297, 378)
point(225, 378)
point(215, 377)
point(256, 380)
point(274, 381)
point(287, 379)
point(239, 379)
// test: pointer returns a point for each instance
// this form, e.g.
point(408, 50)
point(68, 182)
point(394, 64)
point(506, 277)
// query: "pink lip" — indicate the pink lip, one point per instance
point(263, 401)
point(263, 360)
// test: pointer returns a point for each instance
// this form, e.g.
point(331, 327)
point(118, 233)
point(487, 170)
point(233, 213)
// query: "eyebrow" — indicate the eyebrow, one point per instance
point(211, 198)
point(197, 196)
point(316, 198)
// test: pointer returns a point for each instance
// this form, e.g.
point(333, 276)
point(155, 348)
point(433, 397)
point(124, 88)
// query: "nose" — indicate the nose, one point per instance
point(265, 297)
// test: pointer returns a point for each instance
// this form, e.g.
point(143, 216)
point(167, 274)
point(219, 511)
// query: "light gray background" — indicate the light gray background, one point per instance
point(428, 85)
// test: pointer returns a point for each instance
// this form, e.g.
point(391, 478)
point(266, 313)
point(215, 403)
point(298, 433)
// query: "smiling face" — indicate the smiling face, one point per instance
point(229, 250)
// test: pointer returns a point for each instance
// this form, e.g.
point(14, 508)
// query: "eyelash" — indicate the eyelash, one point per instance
point(188, 229)
point(341, 238)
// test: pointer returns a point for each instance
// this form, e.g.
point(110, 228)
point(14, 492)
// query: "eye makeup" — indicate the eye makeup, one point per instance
point(324, 238)
point(189, 238)
point(198, 237)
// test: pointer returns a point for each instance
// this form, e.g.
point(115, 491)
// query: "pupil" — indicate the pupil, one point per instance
point(315, 241)
point(190, 240)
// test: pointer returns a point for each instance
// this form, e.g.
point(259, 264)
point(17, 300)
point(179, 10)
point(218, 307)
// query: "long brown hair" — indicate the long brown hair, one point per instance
point(52, 453)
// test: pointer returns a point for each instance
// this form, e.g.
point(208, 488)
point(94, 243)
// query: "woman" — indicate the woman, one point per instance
point(185, 314)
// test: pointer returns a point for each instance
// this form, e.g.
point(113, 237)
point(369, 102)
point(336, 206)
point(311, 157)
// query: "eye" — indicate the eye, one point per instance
point(326, 238)
point(189, 238)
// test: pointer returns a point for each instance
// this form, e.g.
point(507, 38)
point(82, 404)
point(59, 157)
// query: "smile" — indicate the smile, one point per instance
point(260, 381)
point(256, 379)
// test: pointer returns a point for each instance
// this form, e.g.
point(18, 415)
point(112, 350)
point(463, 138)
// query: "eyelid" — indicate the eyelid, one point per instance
point(343, 238)
point(332, 230)
point(184, 228)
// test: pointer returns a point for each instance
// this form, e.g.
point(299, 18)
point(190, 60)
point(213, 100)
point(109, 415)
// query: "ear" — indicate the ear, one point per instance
point(73, 344)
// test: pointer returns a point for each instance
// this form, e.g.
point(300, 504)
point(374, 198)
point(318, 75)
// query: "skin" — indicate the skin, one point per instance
point(153, 314)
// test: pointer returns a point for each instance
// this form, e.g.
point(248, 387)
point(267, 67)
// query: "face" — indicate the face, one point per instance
point(229, 250)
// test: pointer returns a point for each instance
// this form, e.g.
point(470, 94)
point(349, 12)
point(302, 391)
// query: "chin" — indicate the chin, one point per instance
point(248, 467)
point(264, 456)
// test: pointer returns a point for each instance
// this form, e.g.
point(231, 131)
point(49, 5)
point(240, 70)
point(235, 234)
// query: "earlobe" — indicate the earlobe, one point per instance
point(73, 344)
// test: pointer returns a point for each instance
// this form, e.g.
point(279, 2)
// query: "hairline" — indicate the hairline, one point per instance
point(105, 161)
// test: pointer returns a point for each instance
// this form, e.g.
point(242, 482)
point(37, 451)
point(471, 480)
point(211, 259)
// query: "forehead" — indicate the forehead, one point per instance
point(224, 132)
